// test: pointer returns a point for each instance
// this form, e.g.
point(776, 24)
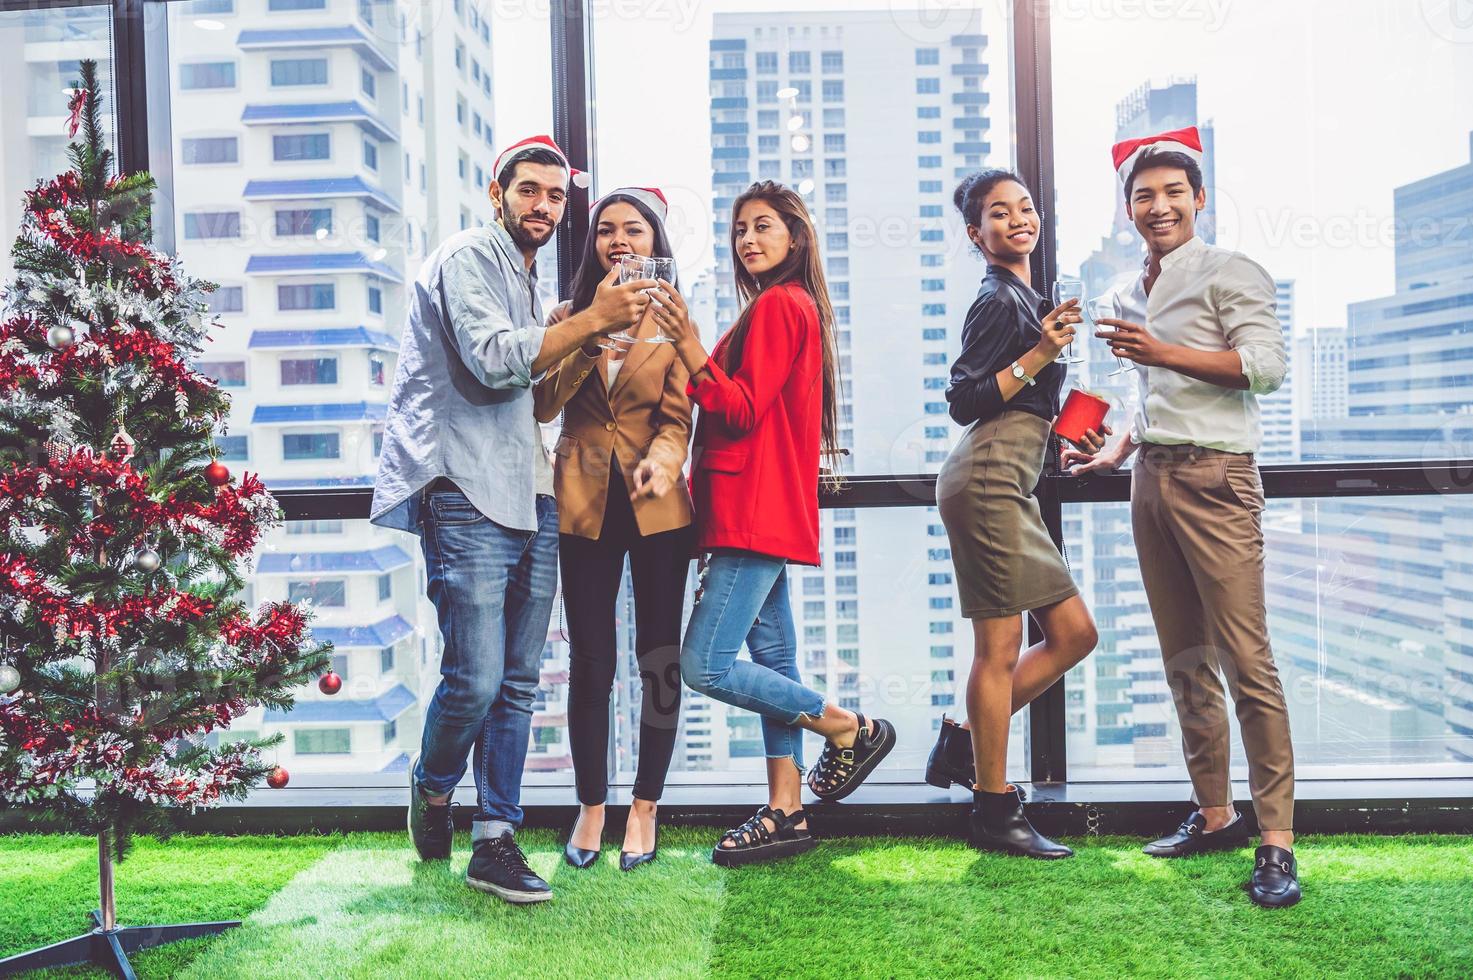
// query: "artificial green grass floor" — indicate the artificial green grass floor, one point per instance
point(360, 905)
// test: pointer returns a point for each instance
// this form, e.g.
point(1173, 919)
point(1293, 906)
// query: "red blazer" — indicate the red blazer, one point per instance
point(754, 472)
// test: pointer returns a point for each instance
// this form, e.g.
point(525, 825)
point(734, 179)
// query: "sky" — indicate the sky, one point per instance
point(1320, 108)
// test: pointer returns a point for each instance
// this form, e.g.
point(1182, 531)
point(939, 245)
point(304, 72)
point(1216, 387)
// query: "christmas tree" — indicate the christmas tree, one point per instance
point(123, 543)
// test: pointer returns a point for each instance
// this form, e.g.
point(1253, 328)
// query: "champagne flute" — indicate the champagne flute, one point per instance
point(1064, 291)
point(1104, 306)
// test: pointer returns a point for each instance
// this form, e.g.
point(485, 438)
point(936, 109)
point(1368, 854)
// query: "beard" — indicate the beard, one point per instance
point(525, 237)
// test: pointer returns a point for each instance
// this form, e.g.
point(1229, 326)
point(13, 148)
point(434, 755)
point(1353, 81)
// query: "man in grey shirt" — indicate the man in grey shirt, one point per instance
point(463, 466)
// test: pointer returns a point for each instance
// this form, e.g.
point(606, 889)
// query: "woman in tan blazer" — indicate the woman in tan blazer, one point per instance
point(620, 490)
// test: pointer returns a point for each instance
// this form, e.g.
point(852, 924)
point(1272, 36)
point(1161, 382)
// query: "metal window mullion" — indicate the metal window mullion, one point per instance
point(572, 61)
point(1033, 111)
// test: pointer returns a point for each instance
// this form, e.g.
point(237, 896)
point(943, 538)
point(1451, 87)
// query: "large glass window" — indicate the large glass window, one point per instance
point(1368, 616)
point(210, 149)
point(337, 208)
point(876, 560)
point(299, 71)
point(289, 147)
point(1372, 258)
point(1368, 606)
point(45, 46)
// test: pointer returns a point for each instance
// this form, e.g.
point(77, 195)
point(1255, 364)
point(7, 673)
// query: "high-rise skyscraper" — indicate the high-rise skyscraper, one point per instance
point(321, 149)
point(873, 121)
point(1276, 411)
point(1323, 391)
point(1370, 603)
point(1119, 707)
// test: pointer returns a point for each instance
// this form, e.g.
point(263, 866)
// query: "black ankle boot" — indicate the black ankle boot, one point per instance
point(951, 759)
point(998, 824)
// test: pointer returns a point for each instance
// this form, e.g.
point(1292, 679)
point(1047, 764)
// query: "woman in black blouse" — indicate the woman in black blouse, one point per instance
point(1005, 389)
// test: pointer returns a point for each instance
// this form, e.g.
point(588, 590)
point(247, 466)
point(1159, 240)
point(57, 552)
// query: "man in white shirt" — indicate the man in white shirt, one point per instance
point(1199, 324)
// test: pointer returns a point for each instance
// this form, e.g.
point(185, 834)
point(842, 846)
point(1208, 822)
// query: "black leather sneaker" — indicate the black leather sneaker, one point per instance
point(431, 828)
point(498, 866)
point(1275, 881)
point(1192, 838)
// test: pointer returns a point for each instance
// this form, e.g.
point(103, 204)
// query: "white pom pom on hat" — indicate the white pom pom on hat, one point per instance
point(521, 148)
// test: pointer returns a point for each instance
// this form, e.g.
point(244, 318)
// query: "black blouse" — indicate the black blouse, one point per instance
point(1004, 323)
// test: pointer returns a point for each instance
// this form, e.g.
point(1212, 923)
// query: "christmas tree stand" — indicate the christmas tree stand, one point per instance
point(108, 944)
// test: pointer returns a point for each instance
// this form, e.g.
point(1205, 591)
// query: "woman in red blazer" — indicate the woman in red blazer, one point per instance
point(767, 400)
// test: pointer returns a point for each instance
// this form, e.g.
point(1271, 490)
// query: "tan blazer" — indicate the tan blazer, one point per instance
point(647, 414)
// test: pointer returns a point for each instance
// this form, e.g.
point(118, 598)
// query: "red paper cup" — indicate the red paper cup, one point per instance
point(1082, 412)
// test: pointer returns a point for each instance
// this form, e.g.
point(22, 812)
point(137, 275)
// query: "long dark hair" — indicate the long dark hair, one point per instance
point(803, 266)
point(591, 271)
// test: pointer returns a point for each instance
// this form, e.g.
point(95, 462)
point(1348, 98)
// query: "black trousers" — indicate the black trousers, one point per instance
point(592, 571)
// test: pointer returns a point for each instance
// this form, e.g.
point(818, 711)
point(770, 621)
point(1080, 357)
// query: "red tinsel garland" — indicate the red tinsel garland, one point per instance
point(108, 348)
point(146, 269)
point(233, 509)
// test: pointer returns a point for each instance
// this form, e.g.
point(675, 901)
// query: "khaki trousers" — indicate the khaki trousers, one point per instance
point(1197, 516)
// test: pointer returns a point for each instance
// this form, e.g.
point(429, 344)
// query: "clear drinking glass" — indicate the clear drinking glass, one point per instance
point(659, 268)
point(1064, 291)
point(1100, 308)
point(631, 269)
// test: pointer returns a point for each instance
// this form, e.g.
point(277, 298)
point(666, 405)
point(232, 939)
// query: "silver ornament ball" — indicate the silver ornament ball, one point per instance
point(9, 678)
point(60, 337)
point(147, 560)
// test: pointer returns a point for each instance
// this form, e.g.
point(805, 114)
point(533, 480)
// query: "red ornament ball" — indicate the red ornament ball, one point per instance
point(330, 683)
point(216, 474)
point(278, 778)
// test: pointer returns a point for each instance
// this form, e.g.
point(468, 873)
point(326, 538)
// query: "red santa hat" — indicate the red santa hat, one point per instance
point(1129, 152)
point(651, 197)
point(518, 150)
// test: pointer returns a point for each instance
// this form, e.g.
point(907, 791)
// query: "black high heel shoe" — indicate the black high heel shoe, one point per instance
point(628, 860)
point(578, 857)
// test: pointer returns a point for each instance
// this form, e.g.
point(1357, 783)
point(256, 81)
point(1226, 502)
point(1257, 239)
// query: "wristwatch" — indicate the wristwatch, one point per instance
point(1022, 375)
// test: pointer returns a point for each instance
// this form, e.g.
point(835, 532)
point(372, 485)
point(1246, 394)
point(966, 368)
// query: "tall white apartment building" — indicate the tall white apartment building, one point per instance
point(1320, 360)
point(321, 149)
point(873, 119)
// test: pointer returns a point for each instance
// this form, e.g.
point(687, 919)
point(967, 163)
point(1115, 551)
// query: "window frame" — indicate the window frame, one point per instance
point(139, 62)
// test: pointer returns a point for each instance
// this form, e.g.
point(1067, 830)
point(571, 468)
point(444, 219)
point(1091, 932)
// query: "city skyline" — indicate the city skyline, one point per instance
point(1371, 603)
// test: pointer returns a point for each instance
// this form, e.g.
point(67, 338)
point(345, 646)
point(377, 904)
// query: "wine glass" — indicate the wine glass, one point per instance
point(659, 267)
point(1064, 291)
point(1104, 306)
point(631, 269)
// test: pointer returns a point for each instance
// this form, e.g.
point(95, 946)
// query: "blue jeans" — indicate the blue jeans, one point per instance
point(493, 589)
point(744, 598)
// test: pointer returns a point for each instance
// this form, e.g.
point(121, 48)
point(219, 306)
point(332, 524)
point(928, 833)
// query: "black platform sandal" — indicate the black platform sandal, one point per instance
point(753, 841)
point(838, 772)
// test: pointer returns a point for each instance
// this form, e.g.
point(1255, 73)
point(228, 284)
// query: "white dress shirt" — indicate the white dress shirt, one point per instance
point(1212, 299)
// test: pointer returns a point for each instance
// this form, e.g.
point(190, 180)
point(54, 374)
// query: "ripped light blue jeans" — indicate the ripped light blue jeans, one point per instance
point(744, 600)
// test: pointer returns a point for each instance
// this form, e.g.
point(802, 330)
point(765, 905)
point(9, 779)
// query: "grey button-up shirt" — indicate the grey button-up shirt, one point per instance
point(461, 406)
